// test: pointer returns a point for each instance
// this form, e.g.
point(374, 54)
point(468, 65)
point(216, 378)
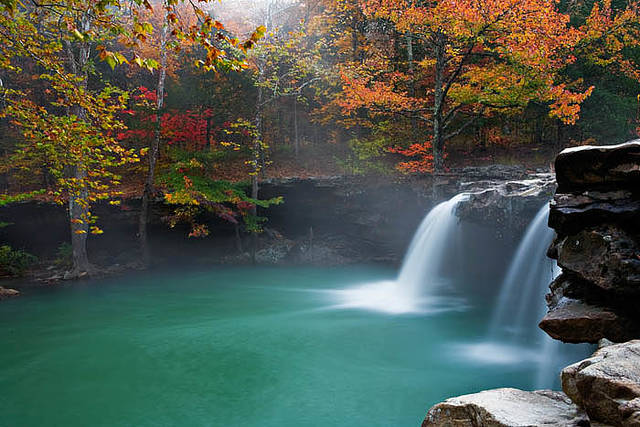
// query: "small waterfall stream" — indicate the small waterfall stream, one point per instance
point(420, 274)
point(414, 290)
point(513, 335)
point(521, 300)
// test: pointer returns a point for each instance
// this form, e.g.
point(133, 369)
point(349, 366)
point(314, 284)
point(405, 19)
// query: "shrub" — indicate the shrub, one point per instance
point(64, 257)
point(14, 262)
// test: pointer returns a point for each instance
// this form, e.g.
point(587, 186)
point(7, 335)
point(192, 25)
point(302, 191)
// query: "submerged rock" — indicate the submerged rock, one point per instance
point(506, 407)
point(607, 385)
point(6, 293)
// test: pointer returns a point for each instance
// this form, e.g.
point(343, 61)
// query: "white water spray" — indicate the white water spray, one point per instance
point(421, 274)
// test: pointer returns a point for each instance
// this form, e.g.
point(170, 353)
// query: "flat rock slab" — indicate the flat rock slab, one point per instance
point(607, 385)
point(504, 407)
point(574, 321)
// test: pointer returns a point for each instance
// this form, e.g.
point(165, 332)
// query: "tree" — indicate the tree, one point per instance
point(65, 38)
point(74, 129)
point(478, 58)
point(169, 41)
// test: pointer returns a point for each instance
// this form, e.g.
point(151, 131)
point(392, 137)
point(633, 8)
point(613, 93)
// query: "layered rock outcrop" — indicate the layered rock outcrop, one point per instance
point(596, 215)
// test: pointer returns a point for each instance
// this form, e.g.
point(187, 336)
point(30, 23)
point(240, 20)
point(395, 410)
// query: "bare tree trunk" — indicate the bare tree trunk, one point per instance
point(257, 149)
point(296, 140)
point(438, 125)
point(79, 216)
point(238, 238)
point(412, 88)
point(79, 199)
point(154, 148)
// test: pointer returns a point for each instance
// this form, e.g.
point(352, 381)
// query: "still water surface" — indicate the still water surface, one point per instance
point(236, 347)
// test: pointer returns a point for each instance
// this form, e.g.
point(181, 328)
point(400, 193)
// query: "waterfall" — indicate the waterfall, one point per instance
point(421, 274)
point(521, 304)
point(521, 299)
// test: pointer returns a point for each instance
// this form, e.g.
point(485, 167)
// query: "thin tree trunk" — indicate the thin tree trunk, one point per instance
point(154, 147)
point(296, 139)
point(79, 216)
point(438, 125)
point(238, 238)
point(79, 199)
point(257, 149)
point(412, 87)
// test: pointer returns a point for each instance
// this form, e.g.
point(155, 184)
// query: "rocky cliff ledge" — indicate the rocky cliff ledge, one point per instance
point(596, 215)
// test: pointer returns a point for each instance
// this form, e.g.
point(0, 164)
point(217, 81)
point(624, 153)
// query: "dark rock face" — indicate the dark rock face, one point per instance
point(506, 407)
point(599, 167)
point(500, 205)
point(607, 385)
point(596, 215)
point(605, 256)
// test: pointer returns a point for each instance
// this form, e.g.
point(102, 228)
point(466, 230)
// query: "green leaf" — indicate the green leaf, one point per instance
point(111, 60)
point(78, 35)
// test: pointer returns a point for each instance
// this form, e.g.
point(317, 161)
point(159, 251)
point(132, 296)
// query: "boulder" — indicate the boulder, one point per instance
point(505, 205)
point(506, 407)
point(8, 293)
point(607, 385)
point(599, 167)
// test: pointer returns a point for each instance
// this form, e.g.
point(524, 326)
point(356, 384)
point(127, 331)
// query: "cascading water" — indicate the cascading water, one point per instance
point(521, 299)
point(421, 273)
point(514, 336)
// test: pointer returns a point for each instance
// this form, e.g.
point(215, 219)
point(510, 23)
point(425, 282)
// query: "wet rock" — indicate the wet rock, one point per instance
point(596, 215)
point(500, 172)
point(275, 253)
point(506, 407)
point(606, 256)
point(607, 385)
point(6, 293)
point(506, 205)
point(599, 167)
point(630, 412)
